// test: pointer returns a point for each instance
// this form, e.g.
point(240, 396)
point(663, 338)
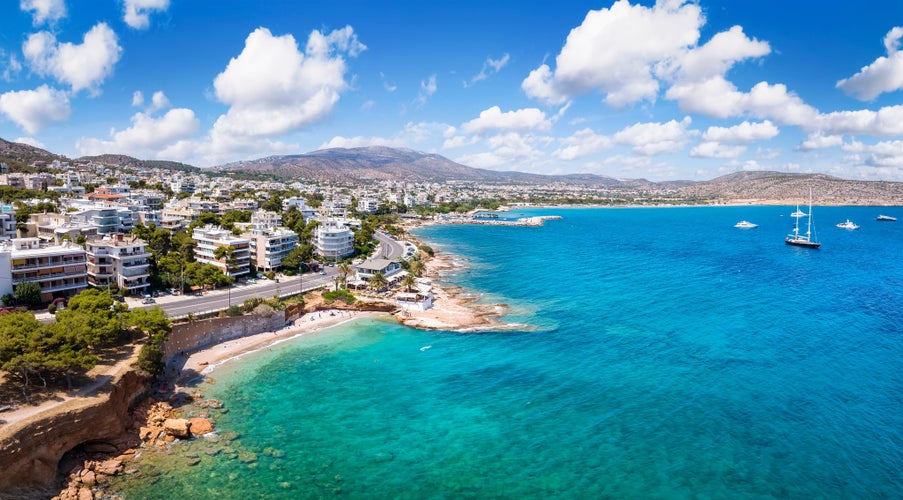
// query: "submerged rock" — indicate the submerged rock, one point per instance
point(200, 426)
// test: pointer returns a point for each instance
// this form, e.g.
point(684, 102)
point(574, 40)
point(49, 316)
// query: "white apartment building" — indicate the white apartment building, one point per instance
point(368, 205)
point(334, 241)
point(270, 243)
point(118, 259)
point(211, 237)
point(60, 270)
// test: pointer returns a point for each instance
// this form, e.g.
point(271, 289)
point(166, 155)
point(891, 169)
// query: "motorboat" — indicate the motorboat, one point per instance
point(848, 225)
point(887, 218)
point(745, 224)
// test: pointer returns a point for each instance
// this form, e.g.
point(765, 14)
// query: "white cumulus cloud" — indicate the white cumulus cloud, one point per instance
point(615, 51)
point(137, 12)
point(519, 120)
point(711, 149)
point(147, 136)
point(272, 87)
point(44, 11)
point(33, 109)
point(744, 132)
point(82, 66)
point(656, 138)
point(817, 140)
point(31, 141)
point(581, 144)
point(887, 121)
point(885, 74)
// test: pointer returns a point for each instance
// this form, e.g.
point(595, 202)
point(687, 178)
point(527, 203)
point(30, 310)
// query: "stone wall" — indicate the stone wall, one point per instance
point(206, 332)
point(30, 451)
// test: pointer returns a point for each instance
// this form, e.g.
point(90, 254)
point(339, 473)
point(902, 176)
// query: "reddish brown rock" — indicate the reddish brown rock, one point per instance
point(200, 426)
point(85, 494)
point(109, 467)
point(88, 478)
point(176, 427)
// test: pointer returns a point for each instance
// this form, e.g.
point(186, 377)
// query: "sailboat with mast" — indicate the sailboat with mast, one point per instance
point(805, 240)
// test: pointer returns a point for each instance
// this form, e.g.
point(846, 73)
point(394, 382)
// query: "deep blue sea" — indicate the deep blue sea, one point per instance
point(664, 354)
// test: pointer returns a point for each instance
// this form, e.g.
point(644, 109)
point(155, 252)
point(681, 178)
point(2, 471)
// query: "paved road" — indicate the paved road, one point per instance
point(217, 300)
point(389, 247)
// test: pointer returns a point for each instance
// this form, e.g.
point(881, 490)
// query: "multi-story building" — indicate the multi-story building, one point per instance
point(269, 246)
point(368, 205)
point(7, 223)
point(59, 270)
point(210, 237)
point(270, 243)
point(334, 241)
point(120, 260)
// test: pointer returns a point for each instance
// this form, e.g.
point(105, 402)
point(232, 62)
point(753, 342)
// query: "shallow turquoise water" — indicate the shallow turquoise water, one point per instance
point(670, 356)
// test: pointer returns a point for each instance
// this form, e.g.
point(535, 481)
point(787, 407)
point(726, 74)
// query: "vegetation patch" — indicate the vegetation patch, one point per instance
point(341, 295)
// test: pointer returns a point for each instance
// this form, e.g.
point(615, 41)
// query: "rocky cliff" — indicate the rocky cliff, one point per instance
point(30, 451)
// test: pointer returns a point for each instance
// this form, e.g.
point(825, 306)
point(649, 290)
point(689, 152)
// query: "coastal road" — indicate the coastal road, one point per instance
point(389, 247)
point(218, 300)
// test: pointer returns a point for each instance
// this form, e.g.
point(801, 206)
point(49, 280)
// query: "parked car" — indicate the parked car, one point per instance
point(119, 298)
point(148, 300)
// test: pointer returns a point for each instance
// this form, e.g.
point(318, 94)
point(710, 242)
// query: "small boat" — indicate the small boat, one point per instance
point(887, 218)
point(848, 225)
point(802, 240)
point(745, 224)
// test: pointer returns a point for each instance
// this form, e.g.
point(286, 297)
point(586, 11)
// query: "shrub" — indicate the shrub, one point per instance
point(150, 359)
point(234, 311)
point(427, 249)
point(51, 308)
point(343, 295)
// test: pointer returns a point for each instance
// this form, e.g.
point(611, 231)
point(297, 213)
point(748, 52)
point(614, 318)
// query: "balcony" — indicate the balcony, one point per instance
point(31, 264)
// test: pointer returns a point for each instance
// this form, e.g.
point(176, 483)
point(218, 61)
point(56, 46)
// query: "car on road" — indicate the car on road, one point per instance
point(148, 300)
point(323, 272)
point(252, 281)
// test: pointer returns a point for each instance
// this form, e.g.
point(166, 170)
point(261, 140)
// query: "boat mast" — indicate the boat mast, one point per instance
point(809, 218)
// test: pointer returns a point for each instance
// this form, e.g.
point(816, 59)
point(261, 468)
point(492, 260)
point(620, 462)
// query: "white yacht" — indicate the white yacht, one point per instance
point(745, 224)
point(848, 225)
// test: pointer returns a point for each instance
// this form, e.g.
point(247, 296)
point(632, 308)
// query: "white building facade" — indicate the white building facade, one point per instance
point(209, 238)
point(334, 241)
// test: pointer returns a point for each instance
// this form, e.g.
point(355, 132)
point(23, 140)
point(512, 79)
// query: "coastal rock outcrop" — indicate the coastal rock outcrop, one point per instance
point(176, 427)
point(200, 426)
point(30, 451)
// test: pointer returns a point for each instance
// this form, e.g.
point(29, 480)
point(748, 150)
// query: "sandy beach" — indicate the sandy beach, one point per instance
point(205, 360)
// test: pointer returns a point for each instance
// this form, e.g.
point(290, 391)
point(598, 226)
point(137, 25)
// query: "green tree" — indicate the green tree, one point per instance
point(294, 259)
point(416, 267)
point(93, 318)
point(409, 281)
point(28, 293)
point(345, 270)
point(377, 282)
point(31, 349)
point(230, 218)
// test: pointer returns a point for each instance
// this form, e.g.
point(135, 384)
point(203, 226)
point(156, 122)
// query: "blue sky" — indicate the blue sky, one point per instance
point(658, 90)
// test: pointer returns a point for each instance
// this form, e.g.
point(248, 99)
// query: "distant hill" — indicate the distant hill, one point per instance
point(765, 187)
point(129, 161)
point(18, 156)
point(384, 163)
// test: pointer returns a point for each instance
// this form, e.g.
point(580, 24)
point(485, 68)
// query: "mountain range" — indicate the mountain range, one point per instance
point(377, 163)
point(384, 163)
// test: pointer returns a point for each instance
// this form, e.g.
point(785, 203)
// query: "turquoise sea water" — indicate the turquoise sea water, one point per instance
point(669, 355)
